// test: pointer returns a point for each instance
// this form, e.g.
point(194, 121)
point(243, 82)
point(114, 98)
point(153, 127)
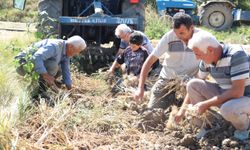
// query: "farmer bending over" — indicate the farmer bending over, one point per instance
point(53, 58)
point(229, 66)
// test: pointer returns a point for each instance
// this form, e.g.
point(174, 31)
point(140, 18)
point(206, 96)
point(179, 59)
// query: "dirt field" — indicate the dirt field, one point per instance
point(96, 118)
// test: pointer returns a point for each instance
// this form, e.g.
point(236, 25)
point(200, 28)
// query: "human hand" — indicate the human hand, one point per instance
point(178, 117)
point(48, 79)
point(110, 73)
point(109, 76)
point(201, 107)
point(138, 95)
point(69, 87)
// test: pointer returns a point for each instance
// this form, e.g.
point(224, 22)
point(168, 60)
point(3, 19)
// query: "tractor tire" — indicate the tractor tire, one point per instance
point(92, 59)
point(217, 17)
point(135, 10)
point(49, 12)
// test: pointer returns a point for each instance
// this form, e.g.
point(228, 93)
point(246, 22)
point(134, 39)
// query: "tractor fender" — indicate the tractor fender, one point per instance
point(208, 3)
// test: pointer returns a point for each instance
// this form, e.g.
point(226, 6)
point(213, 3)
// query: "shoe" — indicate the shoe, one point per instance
point(241, 134)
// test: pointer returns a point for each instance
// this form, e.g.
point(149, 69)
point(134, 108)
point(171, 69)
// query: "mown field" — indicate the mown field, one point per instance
point(91, 116)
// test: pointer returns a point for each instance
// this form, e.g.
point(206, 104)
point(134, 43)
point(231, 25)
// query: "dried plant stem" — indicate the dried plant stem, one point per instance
point(48, 131)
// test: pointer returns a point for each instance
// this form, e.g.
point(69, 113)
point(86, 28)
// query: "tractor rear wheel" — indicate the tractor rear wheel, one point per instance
point(217, 16)
point(49, 12)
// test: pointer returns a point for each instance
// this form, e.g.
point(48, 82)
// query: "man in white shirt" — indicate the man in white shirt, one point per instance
point(179, 60)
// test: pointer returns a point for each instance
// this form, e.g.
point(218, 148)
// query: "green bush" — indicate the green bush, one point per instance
point(14, 96)
point(155, 27)
point(244, 4)
point(236, 35)
point(5, 4)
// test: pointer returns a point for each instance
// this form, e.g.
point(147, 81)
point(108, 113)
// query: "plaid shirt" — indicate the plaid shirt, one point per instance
point(133, 60)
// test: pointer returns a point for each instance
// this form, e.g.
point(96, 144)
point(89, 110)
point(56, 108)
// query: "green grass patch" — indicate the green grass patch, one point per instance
point(8, 13)
point(155, 27)
point(236, 35)
point(14, 97)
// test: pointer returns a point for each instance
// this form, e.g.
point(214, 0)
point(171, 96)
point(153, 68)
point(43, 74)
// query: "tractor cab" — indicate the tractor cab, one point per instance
point(19, 4)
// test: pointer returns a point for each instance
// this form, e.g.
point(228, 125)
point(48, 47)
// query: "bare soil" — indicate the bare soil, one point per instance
point(6, 35)
point(99, 119)
point(10, 30)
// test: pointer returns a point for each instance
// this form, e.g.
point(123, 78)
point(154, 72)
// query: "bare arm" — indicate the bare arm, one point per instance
point(182, 110)
point(113, 67)
point(120, 51)
point(143, 75)
point(145, 70)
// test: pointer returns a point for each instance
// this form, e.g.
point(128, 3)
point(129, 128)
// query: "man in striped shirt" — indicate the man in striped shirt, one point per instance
point(229, 66)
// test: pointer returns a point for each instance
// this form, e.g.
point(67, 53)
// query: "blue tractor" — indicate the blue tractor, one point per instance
point(170, 7)
point(214, 14)
point(94, 20)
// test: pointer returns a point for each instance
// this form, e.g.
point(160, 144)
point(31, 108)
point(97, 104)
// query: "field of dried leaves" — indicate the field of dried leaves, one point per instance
point(92, 117)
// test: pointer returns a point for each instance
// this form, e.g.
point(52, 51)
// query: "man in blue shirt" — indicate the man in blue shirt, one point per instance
point(53, 56)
